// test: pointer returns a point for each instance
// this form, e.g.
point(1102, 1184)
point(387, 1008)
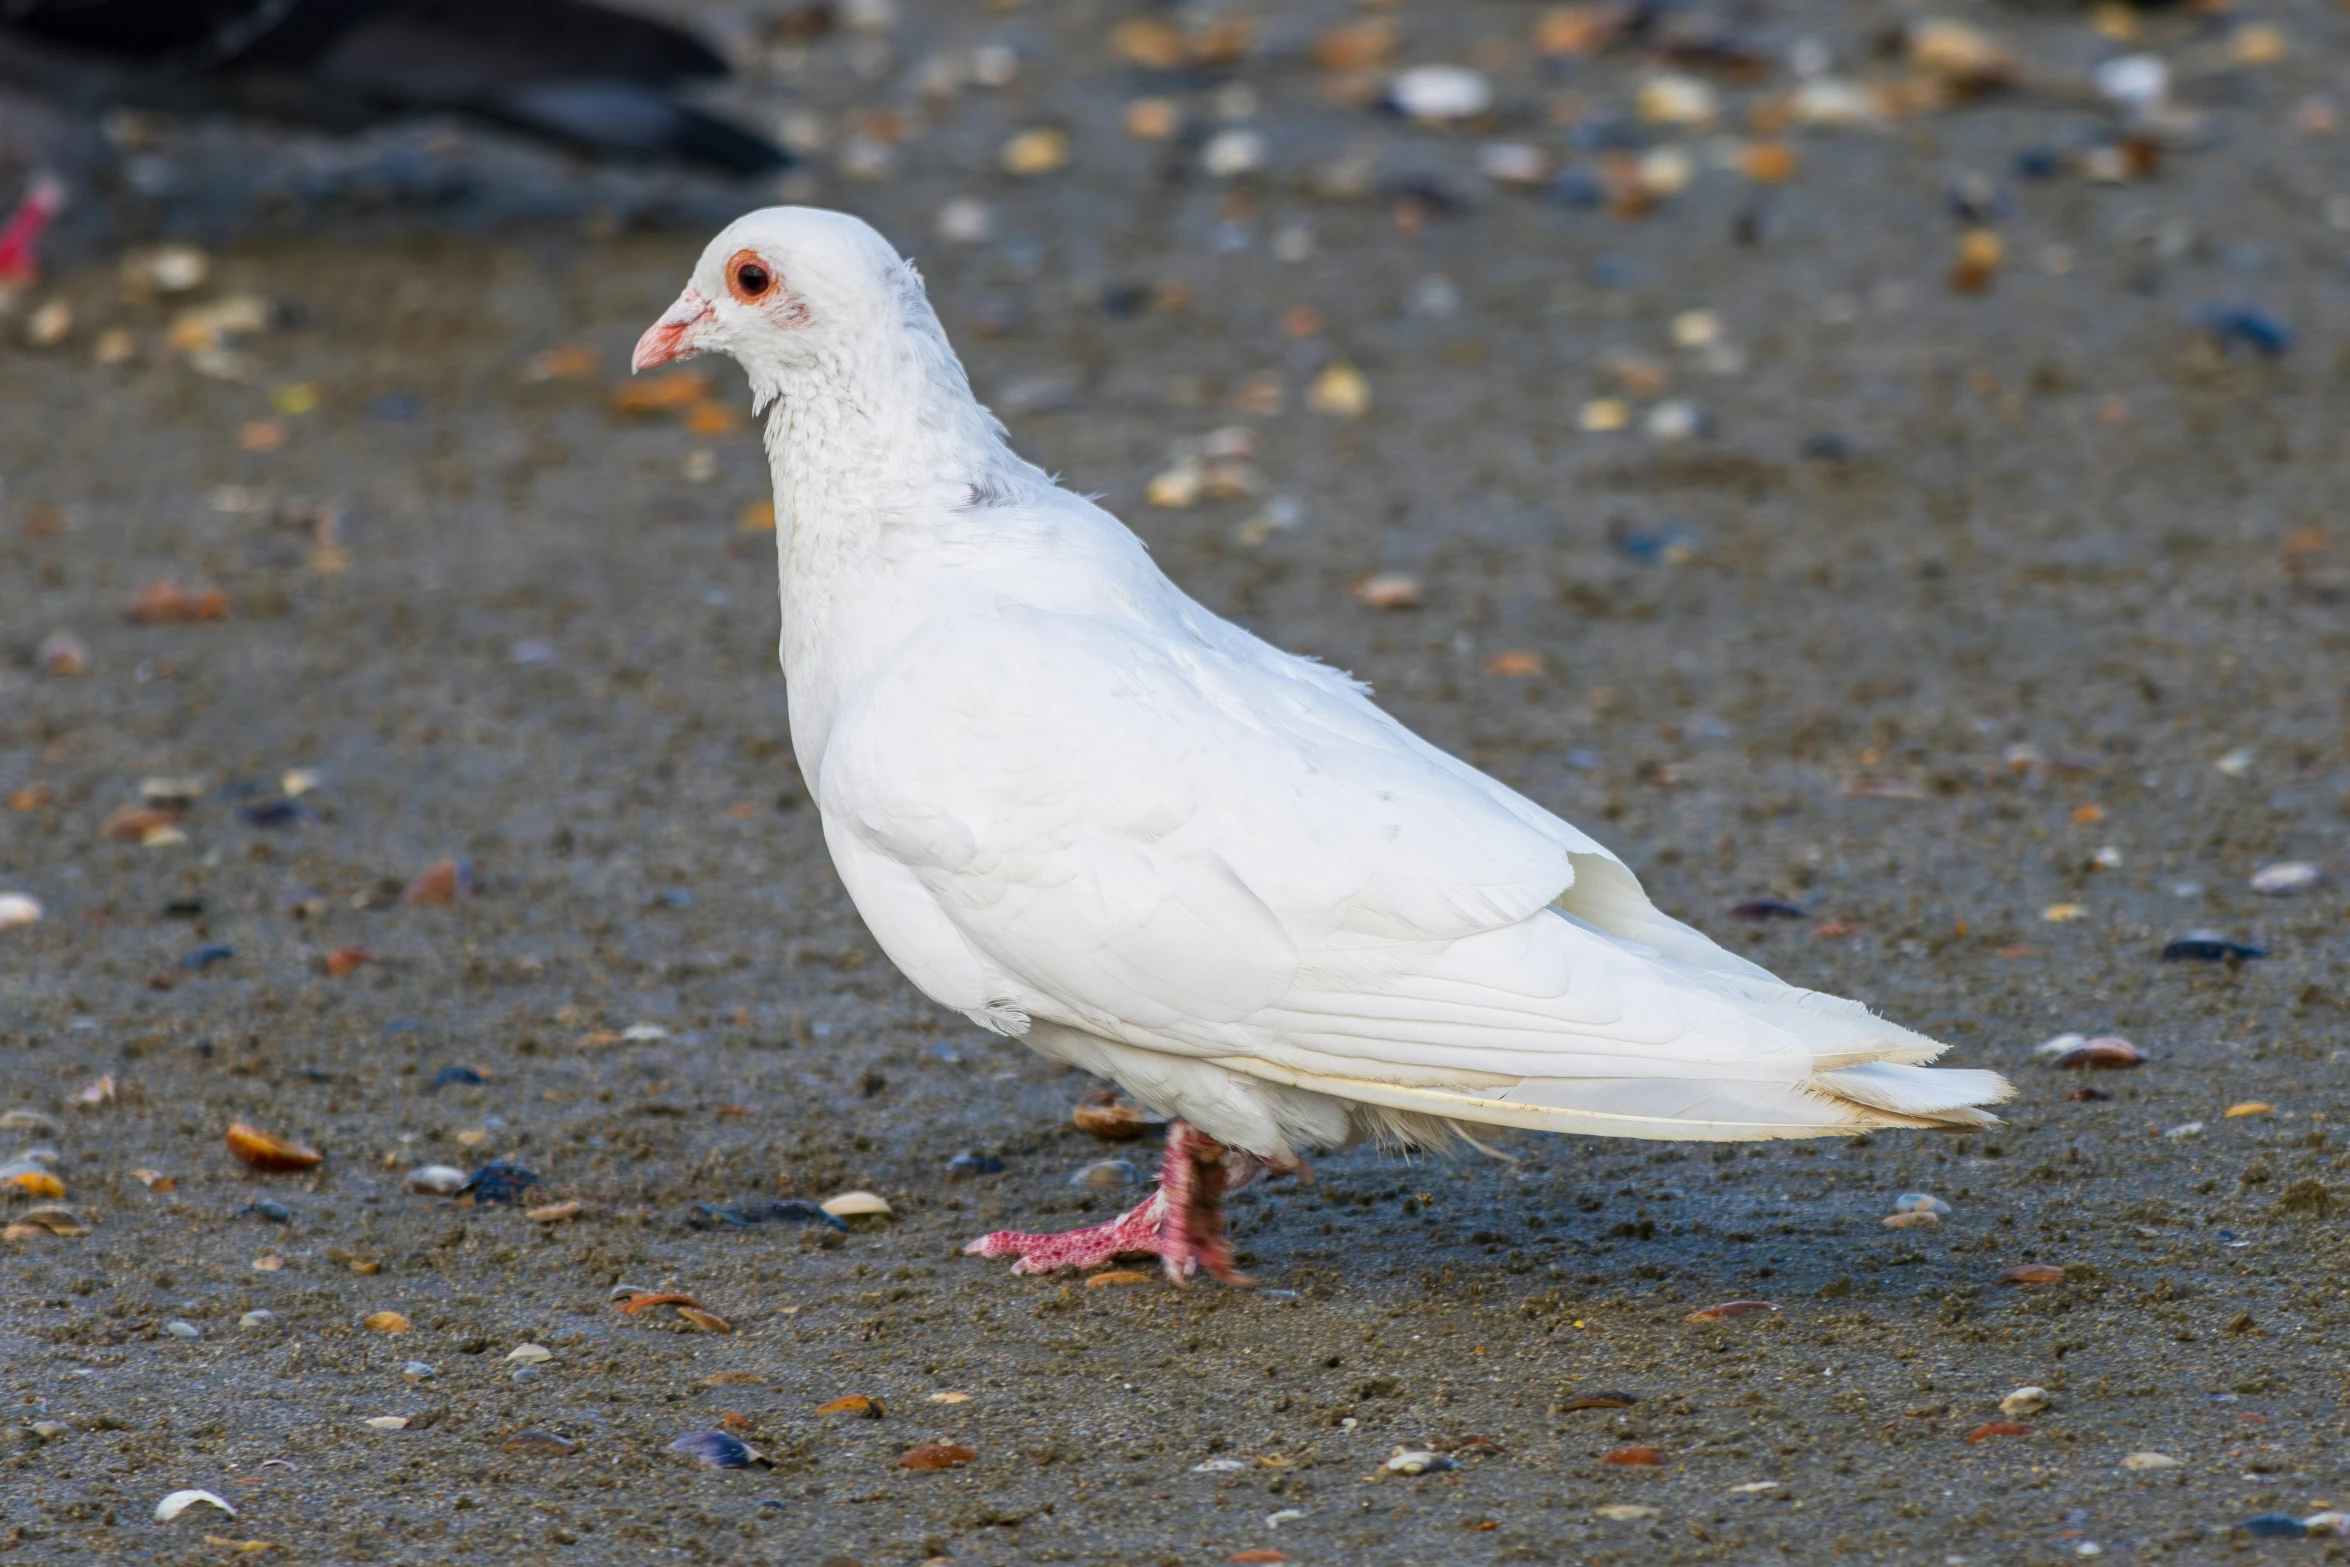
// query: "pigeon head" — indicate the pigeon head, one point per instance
point(833, 330)
point(784, 292)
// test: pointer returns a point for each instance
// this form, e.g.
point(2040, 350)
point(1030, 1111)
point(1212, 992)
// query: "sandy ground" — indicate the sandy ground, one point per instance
point(1967, 609)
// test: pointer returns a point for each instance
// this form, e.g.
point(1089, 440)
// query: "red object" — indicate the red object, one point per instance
point(19, 262)
point(1638, 1453)
point(1730, 1309)
point(1992, 1428)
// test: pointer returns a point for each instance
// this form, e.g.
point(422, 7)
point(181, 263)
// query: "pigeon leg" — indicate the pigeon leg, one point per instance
point(1181, 1224)
point(19, 260)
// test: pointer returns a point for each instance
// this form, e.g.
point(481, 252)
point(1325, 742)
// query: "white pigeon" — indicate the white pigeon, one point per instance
point(1081, 810)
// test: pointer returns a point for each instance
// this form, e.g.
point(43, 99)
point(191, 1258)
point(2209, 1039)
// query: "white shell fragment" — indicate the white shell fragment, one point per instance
point(257, 1319)
point(1218, 1466)
point(2024, 1401)
point(179, 1329)
point(17, 908)
point(2287, 878)
point(1415, 1461)
point(530, 1354)
point(851, 1205)
point(1441, 92)
point(388, 1422)
point(436, 1180)
point(179, 1502)
point(2144, 1461)
point(1919, 1202)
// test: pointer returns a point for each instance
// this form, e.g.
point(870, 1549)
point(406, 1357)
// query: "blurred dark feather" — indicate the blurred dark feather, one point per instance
point(593, 79)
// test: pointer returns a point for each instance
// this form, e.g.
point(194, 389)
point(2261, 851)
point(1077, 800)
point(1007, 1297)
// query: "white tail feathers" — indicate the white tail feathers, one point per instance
point(1915, 1092)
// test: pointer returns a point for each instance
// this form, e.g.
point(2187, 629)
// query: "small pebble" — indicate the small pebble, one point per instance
point(2184, 1130)
point(937, 1455)
point(178, 1329)
point(1389, 590)
point(2287, 879)
point(388, 1422)
point(61, 654)
point(539, 1442)
point(2024, 1401)
point(1341, 390)
point(2149, 1461)
point(2033, 1273)
point(1105, 1173)
point(1625, 1512)
point(1416, 1461)
point(257, 1319)
point(1919, 1202)
point(1038, 150)
point(267, 1212)
point(530, 1354)
point(17, 908)
point(455, 1077)
point(386, 1322)
point(1440, 92)
point(1671, 98)
point(1513, 163)
point(48, 325)
point(1232, 153)
point(966, 221)
point(1675, 419)
point(417, 1371)
point(965, 1166)
point(1923, 1217)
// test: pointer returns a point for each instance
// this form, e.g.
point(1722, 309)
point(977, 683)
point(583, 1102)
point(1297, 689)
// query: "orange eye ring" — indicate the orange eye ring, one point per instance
point(748, 277)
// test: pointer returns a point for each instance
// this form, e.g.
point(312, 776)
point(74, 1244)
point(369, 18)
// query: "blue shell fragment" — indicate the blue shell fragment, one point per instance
point(2210, 949)
point(500, 1181)
point(721, 1451)
point(749, 1215)
point(2277, 1525)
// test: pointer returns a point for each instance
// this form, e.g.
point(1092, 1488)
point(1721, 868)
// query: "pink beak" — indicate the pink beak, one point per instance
point(672, 337)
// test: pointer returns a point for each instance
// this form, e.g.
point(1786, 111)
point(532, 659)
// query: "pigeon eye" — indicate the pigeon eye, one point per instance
point(748, 278)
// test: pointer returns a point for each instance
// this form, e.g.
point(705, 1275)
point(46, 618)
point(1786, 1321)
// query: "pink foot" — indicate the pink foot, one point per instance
point(22, 232)
point(1181, 1224)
